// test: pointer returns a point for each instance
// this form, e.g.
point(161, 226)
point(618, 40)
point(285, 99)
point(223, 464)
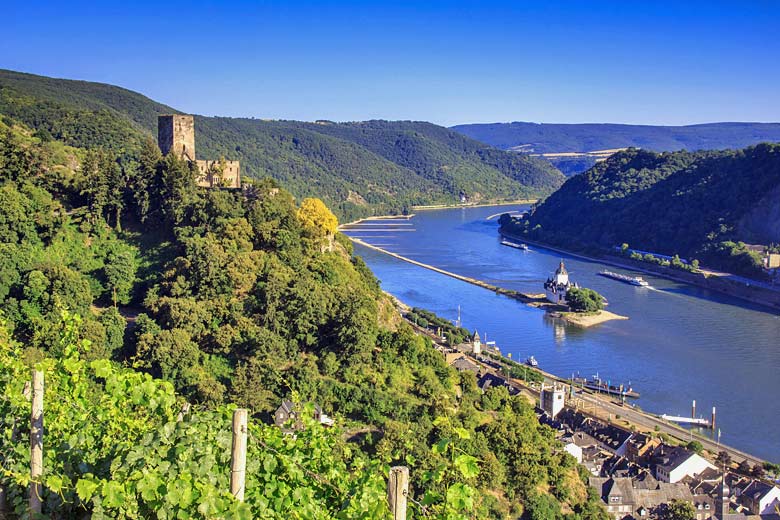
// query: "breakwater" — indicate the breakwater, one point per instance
point(533, 300)
point(530, 299)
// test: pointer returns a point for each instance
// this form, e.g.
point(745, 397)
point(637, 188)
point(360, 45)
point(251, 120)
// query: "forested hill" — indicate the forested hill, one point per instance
point(698, 205)
point(554, 138)
point(358, 169)
point(230, 297)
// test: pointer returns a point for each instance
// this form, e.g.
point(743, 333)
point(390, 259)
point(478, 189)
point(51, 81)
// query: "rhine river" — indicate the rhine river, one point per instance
point(680, 343)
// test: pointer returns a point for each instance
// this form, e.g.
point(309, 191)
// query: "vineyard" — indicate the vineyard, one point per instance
point(118, 444)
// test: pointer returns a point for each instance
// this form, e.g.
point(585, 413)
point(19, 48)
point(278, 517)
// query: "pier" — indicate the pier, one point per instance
point(699, 421)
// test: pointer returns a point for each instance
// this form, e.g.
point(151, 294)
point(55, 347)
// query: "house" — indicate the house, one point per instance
point(571, 447)
point(610, 437)
point(672, 464)
point(488, 380)
point(463, 363)
point(760, 498)
point(626, 497)
point(618, 496)
point(288, 414)
point(640, 447)
point(451, 355)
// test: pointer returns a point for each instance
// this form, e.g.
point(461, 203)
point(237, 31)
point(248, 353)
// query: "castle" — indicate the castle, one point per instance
point(558, 286)
point(176, 134)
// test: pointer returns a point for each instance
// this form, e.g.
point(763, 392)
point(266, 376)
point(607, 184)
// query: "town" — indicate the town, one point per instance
point(637, 474)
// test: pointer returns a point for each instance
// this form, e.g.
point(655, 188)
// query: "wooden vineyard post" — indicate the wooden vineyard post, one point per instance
point(36, 443)
point(397, 491)
point(238, 459)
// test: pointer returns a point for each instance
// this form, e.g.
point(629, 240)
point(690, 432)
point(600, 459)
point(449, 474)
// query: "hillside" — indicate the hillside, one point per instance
point(695, 204)
point(231, 298)
point(557, 138)
point(358, 169)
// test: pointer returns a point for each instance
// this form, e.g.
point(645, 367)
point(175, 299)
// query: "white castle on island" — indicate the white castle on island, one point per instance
point(555, 288)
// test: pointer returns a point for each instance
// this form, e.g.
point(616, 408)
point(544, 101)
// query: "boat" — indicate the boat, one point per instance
point(509, 243)
point(633, 280)
point(599, 385)
point(531, 362)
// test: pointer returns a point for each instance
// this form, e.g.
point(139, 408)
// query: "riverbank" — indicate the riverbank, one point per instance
point(750, 293)
point(380, 217)
point(533, 300)
point(479, 205)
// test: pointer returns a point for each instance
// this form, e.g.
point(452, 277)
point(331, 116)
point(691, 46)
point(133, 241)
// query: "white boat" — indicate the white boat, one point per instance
point(531, 361)
point(633, 280)
point(506, 242)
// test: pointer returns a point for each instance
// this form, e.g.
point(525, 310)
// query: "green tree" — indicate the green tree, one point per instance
point(695, 446)
point(679, 510)
point(120, 271)
point(584, 300)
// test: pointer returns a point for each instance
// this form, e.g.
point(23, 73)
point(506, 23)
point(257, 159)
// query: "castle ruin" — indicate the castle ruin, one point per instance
point(176, 134)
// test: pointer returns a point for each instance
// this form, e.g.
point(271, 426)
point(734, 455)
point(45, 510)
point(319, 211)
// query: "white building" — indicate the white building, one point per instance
point(573, 449)
point(680, 463)
point(555, 288)
point(761, 498)
point(551, 399)
point(476, 344)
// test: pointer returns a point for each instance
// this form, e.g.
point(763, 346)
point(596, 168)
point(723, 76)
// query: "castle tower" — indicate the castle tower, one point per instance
point(176, 133)
point(561, 274)
point(552, 398)
point(476, 344)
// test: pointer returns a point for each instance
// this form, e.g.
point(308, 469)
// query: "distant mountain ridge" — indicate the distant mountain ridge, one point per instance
point(358, 169)
point(588, 137)
point(543, 138)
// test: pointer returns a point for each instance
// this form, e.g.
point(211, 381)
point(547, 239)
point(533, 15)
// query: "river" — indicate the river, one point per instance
point(680, 343)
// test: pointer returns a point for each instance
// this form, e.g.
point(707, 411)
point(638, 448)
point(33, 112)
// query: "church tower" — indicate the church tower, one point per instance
point(176, 133)
point(476, 344)
point(723, 501)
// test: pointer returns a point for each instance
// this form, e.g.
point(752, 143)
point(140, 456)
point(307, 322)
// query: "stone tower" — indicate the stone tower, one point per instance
point(176, 133)
point(552, 399)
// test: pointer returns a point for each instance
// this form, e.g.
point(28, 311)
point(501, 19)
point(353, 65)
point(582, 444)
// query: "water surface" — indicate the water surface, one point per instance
point(680, 343)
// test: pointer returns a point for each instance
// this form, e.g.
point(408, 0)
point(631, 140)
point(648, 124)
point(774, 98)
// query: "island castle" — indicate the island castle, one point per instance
point(176, 133)
point(557, 287)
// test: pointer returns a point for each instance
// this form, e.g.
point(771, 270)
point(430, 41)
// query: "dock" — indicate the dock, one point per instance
point(699, 421)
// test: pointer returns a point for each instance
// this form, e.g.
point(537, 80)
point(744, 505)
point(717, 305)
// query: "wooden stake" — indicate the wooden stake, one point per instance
point(397, 491)
point(185, 409)
point(238, 460)
point(36, 443)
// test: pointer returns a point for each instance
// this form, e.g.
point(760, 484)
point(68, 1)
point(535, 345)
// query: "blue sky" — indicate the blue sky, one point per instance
point(446, 62)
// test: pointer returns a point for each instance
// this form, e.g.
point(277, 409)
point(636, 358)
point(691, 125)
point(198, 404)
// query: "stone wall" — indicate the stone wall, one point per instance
point(212, 177)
